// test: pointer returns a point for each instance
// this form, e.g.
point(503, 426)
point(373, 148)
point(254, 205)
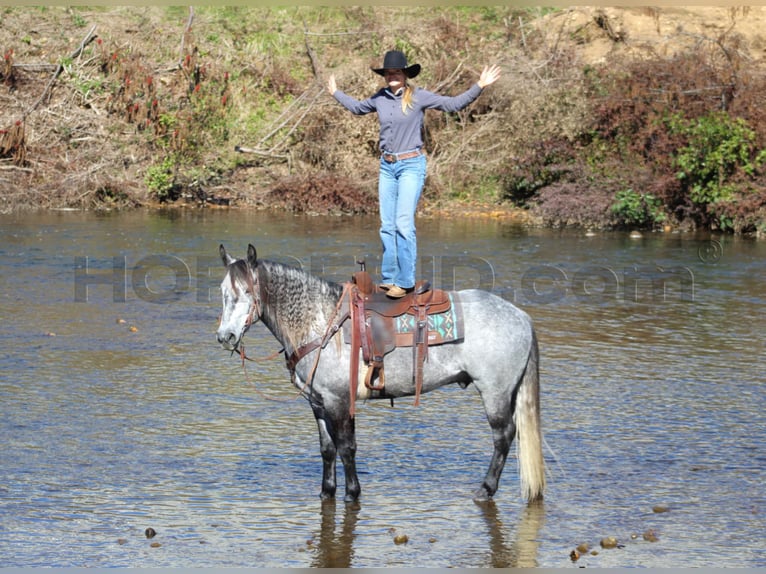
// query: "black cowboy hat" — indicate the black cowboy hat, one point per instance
point(396, 60)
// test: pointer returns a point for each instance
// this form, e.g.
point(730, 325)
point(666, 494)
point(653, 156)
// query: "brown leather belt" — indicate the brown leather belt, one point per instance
point(394, 157)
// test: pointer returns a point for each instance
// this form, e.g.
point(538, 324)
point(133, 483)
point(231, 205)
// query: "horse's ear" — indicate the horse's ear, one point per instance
point(225, 257)
point(252, 256)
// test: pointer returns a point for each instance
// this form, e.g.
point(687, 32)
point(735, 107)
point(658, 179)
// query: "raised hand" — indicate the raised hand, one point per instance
point(332, 87)
point(489, 75)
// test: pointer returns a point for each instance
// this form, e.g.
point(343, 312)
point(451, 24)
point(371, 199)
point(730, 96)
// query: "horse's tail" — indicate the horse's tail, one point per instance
point(529, 443)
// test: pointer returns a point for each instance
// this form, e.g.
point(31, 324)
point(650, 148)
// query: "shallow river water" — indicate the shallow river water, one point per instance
point(120, 412)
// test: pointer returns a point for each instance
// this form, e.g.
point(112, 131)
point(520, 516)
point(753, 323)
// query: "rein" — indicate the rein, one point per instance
point(332, 328)
point(274, 355)
point(244, 357)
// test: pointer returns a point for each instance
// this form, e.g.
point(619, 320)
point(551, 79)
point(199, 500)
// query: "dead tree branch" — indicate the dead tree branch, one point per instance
point(291, 118)
point(182, 50)
point(89, 37)
point(310, 51)
point(184, 36)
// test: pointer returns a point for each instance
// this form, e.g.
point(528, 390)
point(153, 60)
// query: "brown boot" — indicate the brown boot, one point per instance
point(396, 292)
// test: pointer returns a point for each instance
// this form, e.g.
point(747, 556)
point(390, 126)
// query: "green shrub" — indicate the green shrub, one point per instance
point(718, 147)
point(637, 209)
point(160, 179)
point(719, 157)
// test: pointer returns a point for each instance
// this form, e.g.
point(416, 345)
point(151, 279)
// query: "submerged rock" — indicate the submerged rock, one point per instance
point(401, 539)
point(574, 555)
point(609, 542)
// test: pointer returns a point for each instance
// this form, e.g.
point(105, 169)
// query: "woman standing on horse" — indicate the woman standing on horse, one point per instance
point(401, 109)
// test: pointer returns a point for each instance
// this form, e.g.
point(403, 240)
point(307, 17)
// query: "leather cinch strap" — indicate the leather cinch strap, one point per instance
point(420, 347)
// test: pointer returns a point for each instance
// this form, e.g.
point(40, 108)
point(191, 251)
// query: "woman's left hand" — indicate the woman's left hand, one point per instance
point(489, 75)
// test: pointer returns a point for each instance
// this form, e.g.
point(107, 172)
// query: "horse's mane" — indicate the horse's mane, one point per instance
point(295, 276)
point(295, 303)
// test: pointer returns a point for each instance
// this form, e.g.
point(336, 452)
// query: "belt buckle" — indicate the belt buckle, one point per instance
point(389, 157)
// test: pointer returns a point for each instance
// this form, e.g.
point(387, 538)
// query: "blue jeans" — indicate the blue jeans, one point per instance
point(399, 189)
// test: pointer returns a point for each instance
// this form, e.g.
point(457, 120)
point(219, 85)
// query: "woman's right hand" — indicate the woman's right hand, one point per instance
point(332, 87)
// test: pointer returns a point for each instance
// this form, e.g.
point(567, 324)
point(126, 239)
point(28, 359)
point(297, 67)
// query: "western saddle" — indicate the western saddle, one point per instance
point(370, 322)
point(372, 329)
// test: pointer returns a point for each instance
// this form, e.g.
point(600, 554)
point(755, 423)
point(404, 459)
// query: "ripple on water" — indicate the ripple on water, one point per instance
point(109, 431)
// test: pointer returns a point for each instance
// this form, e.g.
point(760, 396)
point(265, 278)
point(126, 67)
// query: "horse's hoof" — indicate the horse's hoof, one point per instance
point(351, 498)
point(481, 495)
point(327, 496)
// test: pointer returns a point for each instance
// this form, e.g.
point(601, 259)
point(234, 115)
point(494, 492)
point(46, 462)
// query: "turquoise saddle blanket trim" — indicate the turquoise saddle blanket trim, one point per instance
point(447, 326)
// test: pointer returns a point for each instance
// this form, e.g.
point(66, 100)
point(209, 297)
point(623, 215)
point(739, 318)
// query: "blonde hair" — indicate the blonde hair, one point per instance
point(409, 92)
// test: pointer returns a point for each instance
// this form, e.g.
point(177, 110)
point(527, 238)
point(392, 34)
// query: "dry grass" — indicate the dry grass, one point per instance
point(82, 128)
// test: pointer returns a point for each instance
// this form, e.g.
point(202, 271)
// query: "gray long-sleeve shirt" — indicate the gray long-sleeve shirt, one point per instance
point(401, 132)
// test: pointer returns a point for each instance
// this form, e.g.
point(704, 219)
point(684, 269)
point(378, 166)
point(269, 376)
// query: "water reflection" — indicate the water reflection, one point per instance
point(334, 547)
point(521, 552)
point(336, 550)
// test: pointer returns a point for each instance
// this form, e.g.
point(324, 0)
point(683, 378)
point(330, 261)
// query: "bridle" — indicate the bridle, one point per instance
point(254, 286)
point(253, 313)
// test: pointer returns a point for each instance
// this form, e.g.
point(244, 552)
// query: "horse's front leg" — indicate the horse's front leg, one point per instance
point(346, 444)
point(327, 449)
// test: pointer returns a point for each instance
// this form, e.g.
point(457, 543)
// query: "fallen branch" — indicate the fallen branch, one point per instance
point(310, 51)
point(15, 168)
point(286, 114)
point(263, 153)
point(340, 33)
point(300, 119)
point(89, 37)
point(292, 116)
point(36, 67)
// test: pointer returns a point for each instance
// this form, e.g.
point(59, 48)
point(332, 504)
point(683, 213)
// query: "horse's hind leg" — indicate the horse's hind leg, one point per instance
point(516, 414)
point(328, 450)
point(503, 432)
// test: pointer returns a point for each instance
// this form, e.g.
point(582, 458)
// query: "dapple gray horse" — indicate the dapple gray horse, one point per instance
point(498, 354)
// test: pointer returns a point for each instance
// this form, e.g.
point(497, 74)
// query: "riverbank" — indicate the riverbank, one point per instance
point(96, 114)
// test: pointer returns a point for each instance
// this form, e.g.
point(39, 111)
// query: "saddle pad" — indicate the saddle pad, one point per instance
point(444, 327)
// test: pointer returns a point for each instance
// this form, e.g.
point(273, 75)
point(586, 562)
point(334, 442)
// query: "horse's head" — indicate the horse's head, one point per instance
point(241, 298)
